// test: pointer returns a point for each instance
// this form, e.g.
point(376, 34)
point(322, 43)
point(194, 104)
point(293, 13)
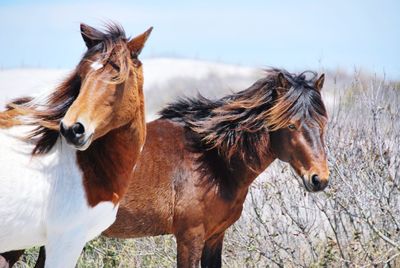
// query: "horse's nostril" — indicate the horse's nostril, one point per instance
point(78, 129)
point(63, 130)
point(315, 180)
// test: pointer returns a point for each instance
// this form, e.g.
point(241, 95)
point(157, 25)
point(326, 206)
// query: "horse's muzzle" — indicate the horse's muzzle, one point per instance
point(314, 183)
point(75, 135)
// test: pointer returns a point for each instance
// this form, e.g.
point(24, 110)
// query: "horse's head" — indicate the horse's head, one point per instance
point(298, 120)
point(111, 80)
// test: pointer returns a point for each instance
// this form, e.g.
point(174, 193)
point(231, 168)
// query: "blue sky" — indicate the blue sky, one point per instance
point(293, 34)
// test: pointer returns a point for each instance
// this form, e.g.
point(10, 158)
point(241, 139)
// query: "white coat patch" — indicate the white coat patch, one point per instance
point(43, 201)
point(96, 65)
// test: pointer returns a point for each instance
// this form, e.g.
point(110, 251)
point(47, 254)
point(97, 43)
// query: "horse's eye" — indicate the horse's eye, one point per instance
point(292, 127)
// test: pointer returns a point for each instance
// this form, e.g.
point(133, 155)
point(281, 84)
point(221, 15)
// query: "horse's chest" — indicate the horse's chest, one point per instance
point(43, 195)
point(69, 207)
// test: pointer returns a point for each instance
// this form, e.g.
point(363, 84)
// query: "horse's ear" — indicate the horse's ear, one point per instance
point(90, 35)
point(282, 84)
point(320, 82)
point(136, 45)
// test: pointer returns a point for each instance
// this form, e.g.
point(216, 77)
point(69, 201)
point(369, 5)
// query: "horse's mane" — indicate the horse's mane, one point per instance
point(45, 113)
point(236, 127)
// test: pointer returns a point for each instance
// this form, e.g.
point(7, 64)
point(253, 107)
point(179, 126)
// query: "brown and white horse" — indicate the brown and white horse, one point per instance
point(201, 156)
point(61, 192)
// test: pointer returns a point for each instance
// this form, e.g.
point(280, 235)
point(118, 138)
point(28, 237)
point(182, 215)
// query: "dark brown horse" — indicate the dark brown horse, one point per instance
point(201, 156)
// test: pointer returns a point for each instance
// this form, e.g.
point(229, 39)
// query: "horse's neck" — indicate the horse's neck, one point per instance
point(244, 175)
point(235, 178)
point(252, 174)
point(249, 173)
point(108, 162)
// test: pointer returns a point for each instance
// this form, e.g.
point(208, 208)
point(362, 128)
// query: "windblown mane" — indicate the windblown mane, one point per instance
point(235, 129)
point(46, 113)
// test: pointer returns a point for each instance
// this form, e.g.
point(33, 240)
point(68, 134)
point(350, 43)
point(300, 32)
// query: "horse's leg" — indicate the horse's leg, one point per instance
point(63, 250)
point(212, 252)
point(190, 245)
point(41, 259)
point(8, 259)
